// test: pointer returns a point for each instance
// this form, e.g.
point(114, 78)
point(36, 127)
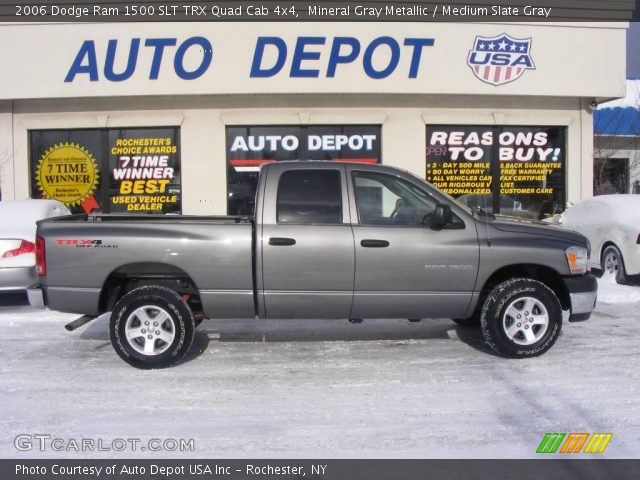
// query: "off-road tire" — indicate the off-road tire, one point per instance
point(495, 308)
point(180, 318)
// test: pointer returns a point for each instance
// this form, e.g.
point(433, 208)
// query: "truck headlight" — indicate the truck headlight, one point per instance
point(578, 260)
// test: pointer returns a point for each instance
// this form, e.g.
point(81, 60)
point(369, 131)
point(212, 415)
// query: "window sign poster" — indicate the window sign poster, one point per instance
point(144, 170)
point(249, 147)
point(64, 167)
point(459, 159)
point(67, 172)
point(531, 161)
point(509, 170)
point(126, 170)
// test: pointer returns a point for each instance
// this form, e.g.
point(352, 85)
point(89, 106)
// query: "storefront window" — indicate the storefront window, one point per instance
point(144, 170)
point(131, 170)
point(610, 175)
point(518, 171)
point(250, 147)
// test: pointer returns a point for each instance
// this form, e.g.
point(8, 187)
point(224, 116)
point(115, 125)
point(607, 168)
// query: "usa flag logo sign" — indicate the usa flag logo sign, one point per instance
point(501, 59)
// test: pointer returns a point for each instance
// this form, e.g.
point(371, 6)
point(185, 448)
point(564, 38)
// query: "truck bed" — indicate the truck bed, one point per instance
point(214, 252)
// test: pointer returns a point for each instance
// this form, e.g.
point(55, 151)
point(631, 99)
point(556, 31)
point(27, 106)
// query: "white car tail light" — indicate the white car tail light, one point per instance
point(24, 248)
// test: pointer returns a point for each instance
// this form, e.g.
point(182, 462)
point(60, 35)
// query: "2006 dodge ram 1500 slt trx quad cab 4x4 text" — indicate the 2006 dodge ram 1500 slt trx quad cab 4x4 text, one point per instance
point(329, 240)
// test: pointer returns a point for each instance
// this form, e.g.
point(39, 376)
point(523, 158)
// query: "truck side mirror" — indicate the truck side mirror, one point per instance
point(441, 216)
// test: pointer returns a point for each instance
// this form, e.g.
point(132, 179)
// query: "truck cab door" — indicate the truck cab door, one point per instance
point(305, 242)
point(405, 266)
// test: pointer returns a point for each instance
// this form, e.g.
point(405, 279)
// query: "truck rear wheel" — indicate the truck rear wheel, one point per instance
point(521, 318)
point(151, 327)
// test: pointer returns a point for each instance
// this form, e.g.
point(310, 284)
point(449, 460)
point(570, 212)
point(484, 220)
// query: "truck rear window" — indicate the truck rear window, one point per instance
point(310, 196)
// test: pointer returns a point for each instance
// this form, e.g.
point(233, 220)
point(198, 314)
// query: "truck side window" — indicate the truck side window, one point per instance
point(389, 200)
point(310, 196)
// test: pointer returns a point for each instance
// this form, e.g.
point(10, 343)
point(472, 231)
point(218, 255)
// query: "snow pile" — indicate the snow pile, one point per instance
point(632, 99)
point(18, 217)
point(610, 292)
point(623, 210)
point(624, 206)
point(621, 116)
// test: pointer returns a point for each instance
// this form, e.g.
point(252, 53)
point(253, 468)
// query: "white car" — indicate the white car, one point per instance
point(612, 225)
point(17, 239)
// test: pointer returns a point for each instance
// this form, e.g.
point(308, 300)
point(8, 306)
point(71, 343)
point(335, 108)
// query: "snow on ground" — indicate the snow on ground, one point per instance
point(324, 389)
point(609, 292)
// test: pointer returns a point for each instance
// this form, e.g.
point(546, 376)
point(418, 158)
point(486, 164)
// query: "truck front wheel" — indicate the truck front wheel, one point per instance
point(521, 318)
point(151, 327)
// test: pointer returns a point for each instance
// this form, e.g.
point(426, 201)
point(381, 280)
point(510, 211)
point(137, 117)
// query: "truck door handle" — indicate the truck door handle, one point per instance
point(281, 241)
point(374, 243)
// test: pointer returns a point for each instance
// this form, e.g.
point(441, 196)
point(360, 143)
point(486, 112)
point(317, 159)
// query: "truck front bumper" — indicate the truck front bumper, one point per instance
point(583, 293)
point(36, 296)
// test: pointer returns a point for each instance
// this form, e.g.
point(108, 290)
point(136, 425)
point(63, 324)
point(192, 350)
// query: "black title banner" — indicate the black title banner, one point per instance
point(345, 10)
point(117, 469)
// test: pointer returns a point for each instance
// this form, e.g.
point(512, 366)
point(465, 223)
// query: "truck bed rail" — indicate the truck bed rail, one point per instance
point(114, 217)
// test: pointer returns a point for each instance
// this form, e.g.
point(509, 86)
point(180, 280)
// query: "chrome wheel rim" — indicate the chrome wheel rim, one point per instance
point(525, 321)
point(611, 263)
point(150, 330)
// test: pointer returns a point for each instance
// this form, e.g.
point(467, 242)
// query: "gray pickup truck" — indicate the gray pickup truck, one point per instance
point(329, 240)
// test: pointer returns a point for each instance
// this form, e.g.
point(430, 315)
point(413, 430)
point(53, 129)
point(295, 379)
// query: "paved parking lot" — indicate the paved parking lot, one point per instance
point(323, 388)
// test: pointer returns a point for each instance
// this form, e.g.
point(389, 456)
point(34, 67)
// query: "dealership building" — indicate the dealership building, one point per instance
point(178, 117)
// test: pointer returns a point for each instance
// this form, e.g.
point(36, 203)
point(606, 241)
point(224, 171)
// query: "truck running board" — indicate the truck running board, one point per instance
point(78, 322)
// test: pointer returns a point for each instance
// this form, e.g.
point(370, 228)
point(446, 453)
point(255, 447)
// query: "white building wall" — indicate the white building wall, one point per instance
point(7, 165)
point(572, 59)
point(202, 123)
point(574, 63)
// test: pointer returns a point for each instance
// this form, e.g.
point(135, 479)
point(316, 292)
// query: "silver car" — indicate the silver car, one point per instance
point(17, 239)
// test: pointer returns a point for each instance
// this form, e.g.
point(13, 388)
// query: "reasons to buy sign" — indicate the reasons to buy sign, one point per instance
point(144, 172)
point(67, 172)
point(523, 163)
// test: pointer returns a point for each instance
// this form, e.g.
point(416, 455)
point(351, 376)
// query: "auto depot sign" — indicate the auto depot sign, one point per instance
point(304, 61)
point(86, 60)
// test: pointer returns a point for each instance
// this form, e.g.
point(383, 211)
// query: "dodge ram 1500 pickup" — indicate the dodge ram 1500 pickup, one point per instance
point(328, 240)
